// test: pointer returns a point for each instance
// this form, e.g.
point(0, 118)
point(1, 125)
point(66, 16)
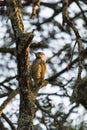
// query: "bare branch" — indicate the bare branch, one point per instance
point(8, 50)
point(9, 99)
point(67, 20)
point(84, 53)
point(8, 121)
point(56, 120)
point(14, 13)
point(8, 79)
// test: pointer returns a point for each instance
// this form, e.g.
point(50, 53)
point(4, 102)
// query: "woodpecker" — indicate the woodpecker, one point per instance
point(38, 69)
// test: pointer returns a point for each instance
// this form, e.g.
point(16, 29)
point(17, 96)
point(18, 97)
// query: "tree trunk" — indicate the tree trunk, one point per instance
point(23, 41)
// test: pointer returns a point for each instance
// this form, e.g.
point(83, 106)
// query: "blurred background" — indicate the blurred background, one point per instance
point(57, 42)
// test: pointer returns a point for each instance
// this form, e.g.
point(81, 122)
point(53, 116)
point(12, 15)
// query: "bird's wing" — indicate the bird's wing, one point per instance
point(43, 70)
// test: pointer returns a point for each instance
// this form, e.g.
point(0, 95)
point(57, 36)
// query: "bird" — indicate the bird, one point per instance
point(38, 69)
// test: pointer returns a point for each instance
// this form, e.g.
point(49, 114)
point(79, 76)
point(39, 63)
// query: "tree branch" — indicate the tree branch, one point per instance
point(8, 121)
point(84, 54)
point(8, 50)
point(67, 20)
point(56, 120)
point(9, 99)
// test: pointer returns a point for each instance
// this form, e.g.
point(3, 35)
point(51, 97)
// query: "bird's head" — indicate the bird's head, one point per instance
point(40, 55)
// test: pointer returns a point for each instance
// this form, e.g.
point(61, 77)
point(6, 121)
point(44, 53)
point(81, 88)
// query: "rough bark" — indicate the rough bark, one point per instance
point(82, 92)
point(23, 41)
